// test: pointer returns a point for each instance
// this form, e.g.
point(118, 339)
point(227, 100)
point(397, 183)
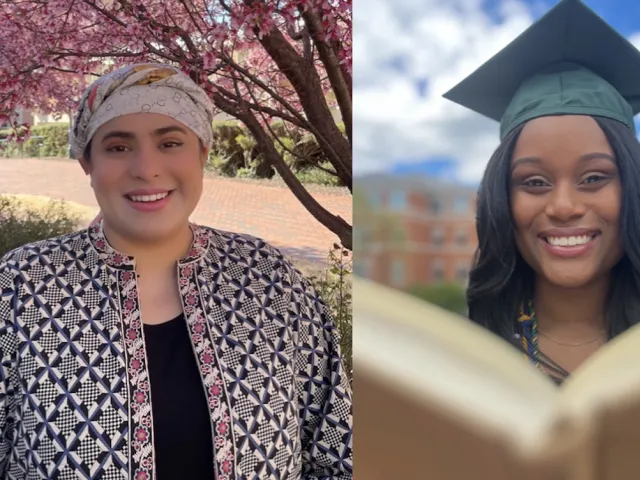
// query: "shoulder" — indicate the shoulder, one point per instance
point(8, 296)
point(7, 276)
point(43, 251)
point(242, 245)
point(248, 249)
point(241, 255)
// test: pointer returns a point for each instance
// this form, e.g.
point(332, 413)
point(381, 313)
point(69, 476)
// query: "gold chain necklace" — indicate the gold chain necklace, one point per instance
point(571, 344)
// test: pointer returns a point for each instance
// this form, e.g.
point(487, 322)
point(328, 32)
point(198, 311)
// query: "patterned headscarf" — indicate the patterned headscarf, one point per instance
point(142, 88)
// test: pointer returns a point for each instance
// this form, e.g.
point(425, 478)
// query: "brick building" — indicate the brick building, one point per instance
point(411, 230)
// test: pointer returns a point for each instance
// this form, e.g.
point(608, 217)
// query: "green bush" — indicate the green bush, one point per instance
point(320, 177)
point(235, 154)
point(450, 296)
point(335, 288)
point(56, 139)
point(245, 173)
point(46, 140)
point(31, 148)
point(282, 130)
point(21, 224)
point(10, 150)
point(218, 164)
point(226, 156)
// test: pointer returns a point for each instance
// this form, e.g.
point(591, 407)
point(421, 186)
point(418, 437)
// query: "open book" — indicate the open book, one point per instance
point(438, 397)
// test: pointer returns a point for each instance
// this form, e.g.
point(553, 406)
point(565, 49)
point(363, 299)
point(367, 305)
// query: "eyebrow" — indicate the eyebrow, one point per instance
point(582, 158)
point(156, 133)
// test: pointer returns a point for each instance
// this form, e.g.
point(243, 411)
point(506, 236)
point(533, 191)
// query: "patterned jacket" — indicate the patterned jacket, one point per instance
point(74, 385)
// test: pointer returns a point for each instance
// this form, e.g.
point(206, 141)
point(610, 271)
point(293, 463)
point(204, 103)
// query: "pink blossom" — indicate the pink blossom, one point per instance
point(45, 41)
point(259, 60)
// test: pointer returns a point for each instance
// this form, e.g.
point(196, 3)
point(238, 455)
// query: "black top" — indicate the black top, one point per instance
point(181, 420)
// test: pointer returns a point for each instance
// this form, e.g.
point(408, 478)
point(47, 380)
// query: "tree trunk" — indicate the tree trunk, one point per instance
point(339, 82)
point(265, 144)
point(333, 222)
point(305, 81)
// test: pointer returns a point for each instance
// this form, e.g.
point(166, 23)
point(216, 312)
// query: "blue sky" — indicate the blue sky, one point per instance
point(407, 54)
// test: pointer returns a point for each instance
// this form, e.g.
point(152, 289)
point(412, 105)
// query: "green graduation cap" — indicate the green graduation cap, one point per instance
point(570, 62)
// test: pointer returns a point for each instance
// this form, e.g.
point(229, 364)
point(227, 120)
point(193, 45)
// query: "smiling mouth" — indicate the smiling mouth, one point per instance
point(571, 241)
point(149, 198)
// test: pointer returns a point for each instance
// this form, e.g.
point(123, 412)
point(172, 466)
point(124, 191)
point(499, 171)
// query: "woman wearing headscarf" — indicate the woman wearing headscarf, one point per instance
point(557, 271)
point(146, 347)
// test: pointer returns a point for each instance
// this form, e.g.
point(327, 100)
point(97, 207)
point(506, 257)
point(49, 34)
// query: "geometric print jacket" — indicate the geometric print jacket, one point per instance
point(75, 400)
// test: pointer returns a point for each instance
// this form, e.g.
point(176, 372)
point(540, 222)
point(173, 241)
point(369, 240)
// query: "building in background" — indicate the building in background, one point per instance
point(25, 115)
point(412, 230)
point(36, 118)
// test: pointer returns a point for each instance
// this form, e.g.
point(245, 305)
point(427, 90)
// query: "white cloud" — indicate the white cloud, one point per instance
point(398, 44)
point(635, 39)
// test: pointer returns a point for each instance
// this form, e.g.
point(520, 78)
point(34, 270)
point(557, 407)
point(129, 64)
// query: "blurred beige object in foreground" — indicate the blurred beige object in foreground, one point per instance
point(438, 397)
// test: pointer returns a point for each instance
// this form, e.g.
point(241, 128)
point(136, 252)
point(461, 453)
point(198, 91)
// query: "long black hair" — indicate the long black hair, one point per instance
point(500, 280)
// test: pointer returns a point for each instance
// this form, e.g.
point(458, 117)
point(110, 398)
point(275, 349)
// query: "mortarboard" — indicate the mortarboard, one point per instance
point(569, 62)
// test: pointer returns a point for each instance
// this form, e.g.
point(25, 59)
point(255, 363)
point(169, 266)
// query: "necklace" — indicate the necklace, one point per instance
point(571, 344)
point(529, 330)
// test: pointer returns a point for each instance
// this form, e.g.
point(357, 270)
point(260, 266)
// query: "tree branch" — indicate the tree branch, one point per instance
point(266, 110)
point(333, 222)
point(287, 149)
point(332, 66)
point(326, 145)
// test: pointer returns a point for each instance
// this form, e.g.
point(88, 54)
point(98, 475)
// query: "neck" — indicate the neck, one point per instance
point(152, 256)
point(574, 310)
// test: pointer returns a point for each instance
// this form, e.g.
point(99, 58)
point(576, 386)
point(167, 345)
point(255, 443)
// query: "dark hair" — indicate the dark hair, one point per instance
point(500, 280)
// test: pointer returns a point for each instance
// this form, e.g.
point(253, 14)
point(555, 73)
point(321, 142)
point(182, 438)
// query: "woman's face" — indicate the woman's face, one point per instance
point(146, 171)
point(566, 197)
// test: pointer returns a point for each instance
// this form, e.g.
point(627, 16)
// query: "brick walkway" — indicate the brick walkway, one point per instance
point(269, 212)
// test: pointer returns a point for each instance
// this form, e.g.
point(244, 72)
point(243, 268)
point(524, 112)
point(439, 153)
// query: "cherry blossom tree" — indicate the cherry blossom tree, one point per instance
point(261, 61)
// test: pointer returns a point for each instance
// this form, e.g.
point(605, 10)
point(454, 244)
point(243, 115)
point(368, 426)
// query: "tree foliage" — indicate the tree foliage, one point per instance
point(261, 61)
point(450, 296)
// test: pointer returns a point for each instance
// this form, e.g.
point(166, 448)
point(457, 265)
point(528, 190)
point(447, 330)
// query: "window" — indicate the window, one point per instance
point(397, 200)
point(437, 271)
point(460, 205)
point(397, 273)
point(437, 275)
point(461, 238)
point(437, 235)
point(436, 206)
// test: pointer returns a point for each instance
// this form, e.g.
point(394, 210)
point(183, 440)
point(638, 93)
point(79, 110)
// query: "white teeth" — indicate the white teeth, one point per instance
point(148, 198)
point(569, 241)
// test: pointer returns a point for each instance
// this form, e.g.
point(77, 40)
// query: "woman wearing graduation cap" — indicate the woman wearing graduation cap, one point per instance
point(557, 270)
